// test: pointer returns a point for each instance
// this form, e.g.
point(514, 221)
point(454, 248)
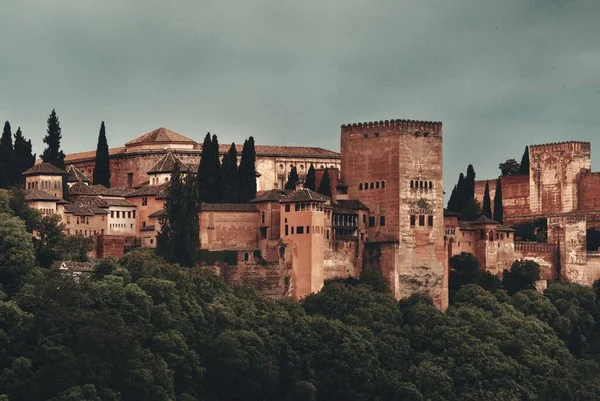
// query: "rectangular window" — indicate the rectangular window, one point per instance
point(286, 229)
point(382, 221)
point(129, 180)
point(112, 214)
point(364, 219)
point(371, 221)
point(308, 229)
point(118, 214)
point(287, 207)
point(297, 207)
point(327, 235)
point(430, 221)
point(421, 220)
point(262, 216)
point(300, 230)
point(68, 219)
point(128, 215)
point(413, 220)
point(292, 230)
point(144, 201)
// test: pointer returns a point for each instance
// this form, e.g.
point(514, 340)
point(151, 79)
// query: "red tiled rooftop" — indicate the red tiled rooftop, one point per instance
point(160, 135)
point(44, 169)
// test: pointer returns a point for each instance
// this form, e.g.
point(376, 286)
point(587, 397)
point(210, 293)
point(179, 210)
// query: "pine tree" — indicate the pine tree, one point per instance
point(498, 208)
point(247, 171)
point(52, 154)
point(208, 173)
point(524, 169)
point(486, 209)
point(8, 166)
point(230, 186)
point(325, 184)
point(292, 179)
point(310, 181)
point(178, 238)
point(25, 159)
point(102, 166)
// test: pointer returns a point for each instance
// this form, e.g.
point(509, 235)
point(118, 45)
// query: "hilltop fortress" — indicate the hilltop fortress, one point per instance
point(386, 212)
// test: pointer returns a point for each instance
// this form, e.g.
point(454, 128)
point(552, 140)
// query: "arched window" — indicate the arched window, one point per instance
point(281, 167)
point(420, 184)
point(366, 186)
point(371, 186)
point(377, 185)
point(360, 186)
point(430, 185)
point(382, 184)
point(412, 184)
point(491, 235)
point(246, 256)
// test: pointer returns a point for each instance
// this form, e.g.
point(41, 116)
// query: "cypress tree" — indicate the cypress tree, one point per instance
point(230, 186)
point(247, 171)
point(52, 154)
point(216, 168)
point(208, 173)
point(8, 167)
point(469, 187)
point(524, 169)
point(310, 181)
point(102, 166)
point(325, 184)
point(498, 208)
point(292, 179)
point(25, 159)
point(178, 238)
point(486, 209)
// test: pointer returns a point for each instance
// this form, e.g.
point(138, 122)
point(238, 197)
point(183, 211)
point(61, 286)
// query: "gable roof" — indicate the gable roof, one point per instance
point(43, 169)
point(305, 195)
point(160, 135)
point(75, 175)
point(167, 165)
point(35, 194)
point(79, 188)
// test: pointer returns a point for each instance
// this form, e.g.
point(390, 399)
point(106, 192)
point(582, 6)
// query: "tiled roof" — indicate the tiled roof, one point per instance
point(273, 195)
point(90, 200)
point(79, 210)
point(79, 188)
point(167, 165)
point(43, 169)
point(118, 191)
point(465, 225)
point(504, 228)
point(118, 202)
point(75, 175)
point(483, 219)
point(92, 154)
point(150, 190)
point(160, 135)
point(305, 195)
point(158, 214)
point(352, 204)
point(228, 207)
point(35, 194)
point(289, 151)
point(340, 210)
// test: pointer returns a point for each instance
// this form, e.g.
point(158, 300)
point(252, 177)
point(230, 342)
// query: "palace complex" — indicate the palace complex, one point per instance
point(386, 212)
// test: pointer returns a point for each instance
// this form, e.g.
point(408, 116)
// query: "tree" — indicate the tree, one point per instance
point(75, 247)
point(456, 201)
point(217, 166)
point(310, 182)
point(230, 183)
point(292, 179)
point(498, 207)
point(486, 209)
point(25, 159)
point(48, 244)
point(469, 186)
point(522, 275)
point(102, 164)
point(524, 168)
point(471, 210)
point(52, 154)
point(8, 163)
point(247, 171)
point(16, 252)
point(178, 239)
point(325, 184)
point(208, 173)
point(509, 167)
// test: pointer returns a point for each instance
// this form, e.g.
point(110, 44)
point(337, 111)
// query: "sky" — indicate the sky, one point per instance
point(500, 75)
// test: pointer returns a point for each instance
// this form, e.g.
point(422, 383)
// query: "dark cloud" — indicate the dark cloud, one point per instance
point(500, 75)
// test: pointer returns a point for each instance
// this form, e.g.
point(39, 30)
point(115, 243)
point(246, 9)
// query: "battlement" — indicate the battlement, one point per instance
point(399, 124)
point(534, 247)
point(573, 146)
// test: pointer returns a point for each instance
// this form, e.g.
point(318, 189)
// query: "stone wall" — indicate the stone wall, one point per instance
point(229, 230)
point(515, 194)
point(341, 260)
point(107, 246)
point(543, 254)
point(589, 192)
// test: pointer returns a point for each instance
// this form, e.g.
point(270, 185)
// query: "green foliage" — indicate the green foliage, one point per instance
point(464, 270)
point(17, 256)
point(498, 207)
point(522, 275)
point(292, 179)
point(486, 209)
point(471, 210)
point(230, 183)
point(509, 167)
point(9, 174)
point(310, 181)
point(207, 257)
point(102, 163)
point(247, 171)
point(75, 247)
point(325, 184)
point(209, 172)
point(25, 159)
point(53, 154)
point(524, 169)
point(49, 240)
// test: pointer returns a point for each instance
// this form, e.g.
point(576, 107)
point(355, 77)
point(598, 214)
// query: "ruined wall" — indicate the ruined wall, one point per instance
point(589, 192)
point(543, 254)
point(341, 260)
point(569, 232)
point(554, 170)
point(228, 230)
point(403, 160)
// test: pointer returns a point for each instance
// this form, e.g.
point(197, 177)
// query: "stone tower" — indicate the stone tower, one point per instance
point(395, 168)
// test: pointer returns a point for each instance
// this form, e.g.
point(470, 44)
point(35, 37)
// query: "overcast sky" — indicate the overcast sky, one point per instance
point(499, 74)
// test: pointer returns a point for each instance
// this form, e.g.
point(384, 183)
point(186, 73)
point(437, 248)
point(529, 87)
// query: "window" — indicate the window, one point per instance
point(371, 221)
point(421, 220)
point(292, 230)
point(327, 234)
point(128, 215)
point(134, 214)
point(430, 185)
point(118, 214)
point(287, 207)
point(430, 221)
point(286, 229)
point(308, 229)
point(360, 186)
point(382, 184)
point(491, 235)
point(377, 185)
point(143, 224)
point(382, 221)
point(371, 186)
point(413, 220)
point(262, 217)
point(421, 184)
point(412, 184)
point(246, 256)
point(151, 241)
point(144, 201)
point(78, 220)
point(364, 219)
point(68, 219)
point(300, 230)
point(112, 214)
point(129, 180)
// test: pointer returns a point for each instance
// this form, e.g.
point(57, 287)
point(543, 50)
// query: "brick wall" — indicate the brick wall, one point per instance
point(342, 260)
point(229, 230)
point(543, 254)
point(109, 246)
point(589, 192)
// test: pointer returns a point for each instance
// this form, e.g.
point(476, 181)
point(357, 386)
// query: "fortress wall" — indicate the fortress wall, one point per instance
point(341, 260)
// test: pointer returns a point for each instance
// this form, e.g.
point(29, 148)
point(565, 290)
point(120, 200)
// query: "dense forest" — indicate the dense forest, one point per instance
point(142, 329)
